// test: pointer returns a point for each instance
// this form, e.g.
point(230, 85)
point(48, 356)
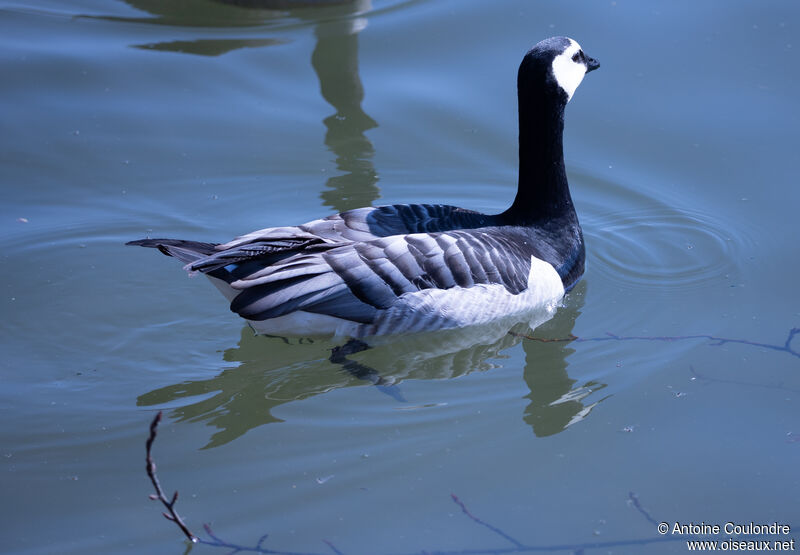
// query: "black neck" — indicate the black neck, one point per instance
point(543, 192)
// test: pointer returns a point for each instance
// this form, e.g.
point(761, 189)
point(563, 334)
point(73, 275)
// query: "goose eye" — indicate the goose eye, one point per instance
point(578, 56)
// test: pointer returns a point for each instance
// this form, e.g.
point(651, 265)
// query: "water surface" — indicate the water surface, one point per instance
point(205, 120)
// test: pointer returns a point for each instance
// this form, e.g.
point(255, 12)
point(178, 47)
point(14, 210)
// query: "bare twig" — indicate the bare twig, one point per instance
point(159, 494)
point(566, 339)
point(173, 516)
point(634, 499)
point(333, 547)
point(708, 379)
point(338, 356)
point(475, 519)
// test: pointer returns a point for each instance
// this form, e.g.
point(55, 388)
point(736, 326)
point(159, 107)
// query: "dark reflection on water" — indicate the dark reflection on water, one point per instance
point(194, 13)
point(272, 371)
point(555, 403)
point(337, 24)
point(234, 13)
point(208, 47)
point(335, 60)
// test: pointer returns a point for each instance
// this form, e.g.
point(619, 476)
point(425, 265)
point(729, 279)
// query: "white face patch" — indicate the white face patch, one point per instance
point(569, 73)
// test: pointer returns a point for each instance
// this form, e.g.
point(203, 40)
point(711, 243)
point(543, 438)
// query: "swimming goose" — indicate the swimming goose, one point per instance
point(405, 268)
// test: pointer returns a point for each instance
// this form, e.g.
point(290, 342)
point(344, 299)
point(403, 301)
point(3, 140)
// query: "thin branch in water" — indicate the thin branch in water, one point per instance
point(634, 500)
point(567, 339)
point(333, 547)
point(261, 540)
point(216, 541)
point(707, 379)
point(786, 347)
point(219, 542)
point(173, 516)
point(475, 519)
point(159, 495)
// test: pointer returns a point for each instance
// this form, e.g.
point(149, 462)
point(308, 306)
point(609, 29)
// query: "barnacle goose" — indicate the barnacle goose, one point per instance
point(406, 268)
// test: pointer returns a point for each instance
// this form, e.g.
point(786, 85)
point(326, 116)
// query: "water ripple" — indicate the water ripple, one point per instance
point(644, 242)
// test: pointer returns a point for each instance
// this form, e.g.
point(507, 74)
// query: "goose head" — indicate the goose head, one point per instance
point(558, 63)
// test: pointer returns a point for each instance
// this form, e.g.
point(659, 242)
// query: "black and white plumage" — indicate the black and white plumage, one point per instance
point(403, 268)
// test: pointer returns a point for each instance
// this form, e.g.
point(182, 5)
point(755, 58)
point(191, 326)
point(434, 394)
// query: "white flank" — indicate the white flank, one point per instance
point(567, 72)
point(457, 307)
point(544, 282)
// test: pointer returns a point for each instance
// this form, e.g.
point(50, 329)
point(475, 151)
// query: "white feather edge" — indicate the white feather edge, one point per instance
point(429, 309)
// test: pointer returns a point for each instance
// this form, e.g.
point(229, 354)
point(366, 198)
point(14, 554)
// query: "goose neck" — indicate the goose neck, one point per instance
point(543, 191)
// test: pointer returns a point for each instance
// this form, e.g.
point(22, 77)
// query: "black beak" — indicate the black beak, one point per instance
point(591, 64)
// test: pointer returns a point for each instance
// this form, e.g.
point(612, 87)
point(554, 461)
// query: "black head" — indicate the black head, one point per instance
point(559, 63)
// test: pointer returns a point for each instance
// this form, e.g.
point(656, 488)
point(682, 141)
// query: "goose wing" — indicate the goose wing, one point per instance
point(355, 280)
point(359, 225)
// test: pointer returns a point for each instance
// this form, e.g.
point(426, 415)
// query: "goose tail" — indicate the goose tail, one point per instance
point(185, 251)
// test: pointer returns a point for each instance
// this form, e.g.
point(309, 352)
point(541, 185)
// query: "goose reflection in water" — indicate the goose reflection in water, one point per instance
point(337, 24)
point(269, 372)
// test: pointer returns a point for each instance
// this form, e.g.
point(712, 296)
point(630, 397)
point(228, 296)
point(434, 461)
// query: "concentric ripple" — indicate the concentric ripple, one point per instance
point(640, 241)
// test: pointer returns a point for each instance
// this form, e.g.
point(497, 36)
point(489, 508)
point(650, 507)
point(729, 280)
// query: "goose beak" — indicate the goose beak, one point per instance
point(591, 64)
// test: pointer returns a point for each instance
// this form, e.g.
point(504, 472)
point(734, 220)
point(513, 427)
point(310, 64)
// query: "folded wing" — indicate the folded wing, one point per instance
point(356, 280)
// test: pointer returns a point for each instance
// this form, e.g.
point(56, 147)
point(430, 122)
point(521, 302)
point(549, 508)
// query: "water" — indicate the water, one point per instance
point(204, 120)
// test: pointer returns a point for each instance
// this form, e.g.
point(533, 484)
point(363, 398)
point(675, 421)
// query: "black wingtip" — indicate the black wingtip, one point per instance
point(186, 251)
point(151, 243)
point(141, 243)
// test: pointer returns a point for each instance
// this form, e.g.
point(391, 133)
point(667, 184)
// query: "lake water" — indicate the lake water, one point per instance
point(204, 120)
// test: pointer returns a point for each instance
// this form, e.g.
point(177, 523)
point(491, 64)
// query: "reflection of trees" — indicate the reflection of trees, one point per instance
point(335, 61)
point(215, 14)
point(208, 47)
point(270, 371)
